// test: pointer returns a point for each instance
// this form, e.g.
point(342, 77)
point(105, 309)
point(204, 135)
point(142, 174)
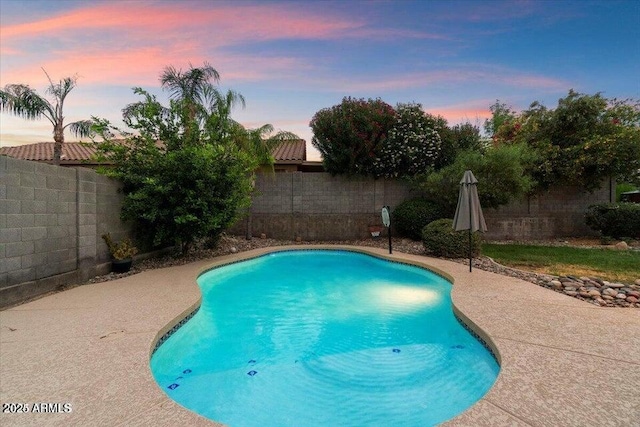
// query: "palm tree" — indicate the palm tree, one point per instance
point(205, 105)
point(22, 101)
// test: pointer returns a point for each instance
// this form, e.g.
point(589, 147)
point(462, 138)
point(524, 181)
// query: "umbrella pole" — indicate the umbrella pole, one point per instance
point(470, 251)
point(470, 226)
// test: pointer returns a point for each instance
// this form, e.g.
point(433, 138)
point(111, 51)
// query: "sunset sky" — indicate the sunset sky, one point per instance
point(290, 59)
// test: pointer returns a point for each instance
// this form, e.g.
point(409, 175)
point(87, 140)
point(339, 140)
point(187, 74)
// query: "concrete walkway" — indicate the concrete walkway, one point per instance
point(564, 362)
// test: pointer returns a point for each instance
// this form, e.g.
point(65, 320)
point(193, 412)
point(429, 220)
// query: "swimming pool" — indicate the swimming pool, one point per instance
point(324, 337)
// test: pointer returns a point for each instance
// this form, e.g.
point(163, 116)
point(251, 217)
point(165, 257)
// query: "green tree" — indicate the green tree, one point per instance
point(22, 101)
point(583, 141)
point(188, 168)
point(501, 173)
point(349, 135)
point(500, 114)
point(454, 139)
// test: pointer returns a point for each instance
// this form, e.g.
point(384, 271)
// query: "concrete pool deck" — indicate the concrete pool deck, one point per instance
point(564, 362)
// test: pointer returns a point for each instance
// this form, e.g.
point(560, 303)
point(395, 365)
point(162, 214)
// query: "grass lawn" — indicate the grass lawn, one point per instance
point(608, 264)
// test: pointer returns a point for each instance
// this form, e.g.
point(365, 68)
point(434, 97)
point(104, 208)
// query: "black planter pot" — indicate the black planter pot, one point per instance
point(121, 265)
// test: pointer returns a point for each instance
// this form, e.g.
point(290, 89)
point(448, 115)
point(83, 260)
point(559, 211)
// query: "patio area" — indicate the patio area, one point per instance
point(564, 362)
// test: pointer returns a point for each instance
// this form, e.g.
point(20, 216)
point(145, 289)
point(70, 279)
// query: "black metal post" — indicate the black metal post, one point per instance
point(389, 232)
point(470, 227)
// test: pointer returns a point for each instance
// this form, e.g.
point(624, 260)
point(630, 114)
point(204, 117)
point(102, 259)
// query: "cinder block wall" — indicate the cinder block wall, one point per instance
point(51, 219)
point(317, 206)
point(558, 212)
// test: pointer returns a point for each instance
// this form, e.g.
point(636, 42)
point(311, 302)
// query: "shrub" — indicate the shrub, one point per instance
point(615, 219)
point(410, 217)
point(412, 145)
point(349, 135)
point(501, 173)
point(440, 239)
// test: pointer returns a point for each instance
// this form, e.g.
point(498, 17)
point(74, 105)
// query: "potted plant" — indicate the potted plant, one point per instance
point(375, 230)
point(121, 253)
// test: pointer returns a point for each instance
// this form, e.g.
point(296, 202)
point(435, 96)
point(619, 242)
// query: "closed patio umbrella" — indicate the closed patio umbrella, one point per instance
point(468, 212)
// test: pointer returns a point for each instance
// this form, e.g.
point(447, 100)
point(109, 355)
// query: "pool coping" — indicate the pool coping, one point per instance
point(90, 346)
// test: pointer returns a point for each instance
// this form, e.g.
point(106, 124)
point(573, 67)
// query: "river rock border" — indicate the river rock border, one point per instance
point(590, 289)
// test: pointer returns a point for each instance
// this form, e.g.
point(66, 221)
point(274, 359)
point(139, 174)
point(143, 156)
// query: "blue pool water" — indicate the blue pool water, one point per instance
point(317, 338)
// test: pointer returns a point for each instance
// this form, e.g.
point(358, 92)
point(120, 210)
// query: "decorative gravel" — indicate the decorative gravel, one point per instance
point(592, 290)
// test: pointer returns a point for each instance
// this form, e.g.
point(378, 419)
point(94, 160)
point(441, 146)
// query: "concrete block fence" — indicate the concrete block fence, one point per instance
point(557, 212)
point(51, 220)
point(317, 206)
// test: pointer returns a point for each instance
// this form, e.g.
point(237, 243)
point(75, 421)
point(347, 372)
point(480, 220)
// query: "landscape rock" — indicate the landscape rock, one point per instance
point(622, 246)
point(556, 284)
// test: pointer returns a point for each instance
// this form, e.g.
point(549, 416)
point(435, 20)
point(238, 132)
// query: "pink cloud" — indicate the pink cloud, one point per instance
point(275, 21)
point(455, 115)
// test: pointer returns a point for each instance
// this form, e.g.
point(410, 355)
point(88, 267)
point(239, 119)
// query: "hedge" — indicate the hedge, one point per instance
point(440, 239)
point(411, 216)
point(618, 220)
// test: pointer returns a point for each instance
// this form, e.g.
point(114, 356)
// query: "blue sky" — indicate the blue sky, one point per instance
point(291, 59)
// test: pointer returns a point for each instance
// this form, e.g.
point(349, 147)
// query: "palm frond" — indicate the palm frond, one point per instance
point(81, 128)
point(22, 101)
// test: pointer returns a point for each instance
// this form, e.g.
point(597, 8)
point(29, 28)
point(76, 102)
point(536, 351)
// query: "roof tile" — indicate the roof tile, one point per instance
point(289, 152)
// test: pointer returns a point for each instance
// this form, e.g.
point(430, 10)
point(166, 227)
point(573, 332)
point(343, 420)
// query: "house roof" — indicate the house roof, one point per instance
point(72, 152)
point(77, 153)
point(294, 151)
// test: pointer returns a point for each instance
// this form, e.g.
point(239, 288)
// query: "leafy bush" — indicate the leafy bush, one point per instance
point(186, 169)
point(410, 217)
point(582, 140)
point(615, 219)
point(501, 174)
point(440, 239)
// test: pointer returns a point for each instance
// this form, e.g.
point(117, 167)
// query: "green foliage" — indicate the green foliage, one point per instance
point(501, 174)
point(585, 140)
point(349, 135)
point(410, 217)
point(440, 239)
point(619, 220)
point(501, 114)
point(187, 169)
point(454, 139)
point(412, 146)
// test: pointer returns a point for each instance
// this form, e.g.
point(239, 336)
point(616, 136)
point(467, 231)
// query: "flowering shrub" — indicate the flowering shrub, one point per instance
point(350, 134)
point(369, 137)
point(412, 145)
